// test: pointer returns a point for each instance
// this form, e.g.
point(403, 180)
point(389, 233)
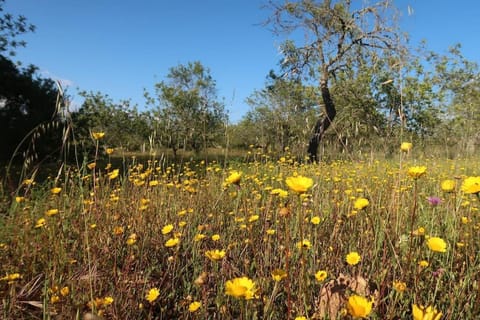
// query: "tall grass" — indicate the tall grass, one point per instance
point(106, 247)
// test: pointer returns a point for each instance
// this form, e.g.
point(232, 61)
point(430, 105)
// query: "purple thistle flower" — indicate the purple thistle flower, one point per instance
point(434, 201)
point(438, 272)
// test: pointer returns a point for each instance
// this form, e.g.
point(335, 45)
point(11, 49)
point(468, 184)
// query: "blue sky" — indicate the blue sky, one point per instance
point(121, 47)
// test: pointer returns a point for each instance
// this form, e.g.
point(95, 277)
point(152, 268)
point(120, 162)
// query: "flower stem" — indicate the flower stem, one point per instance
point(412, 224)
point(287, 280)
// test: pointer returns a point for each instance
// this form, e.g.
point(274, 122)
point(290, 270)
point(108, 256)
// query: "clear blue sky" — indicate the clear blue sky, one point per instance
point(121, 47)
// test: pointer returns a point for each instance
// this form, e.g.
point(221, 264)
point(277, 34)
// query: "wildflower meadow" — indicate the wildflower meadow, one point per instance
point(262, 238)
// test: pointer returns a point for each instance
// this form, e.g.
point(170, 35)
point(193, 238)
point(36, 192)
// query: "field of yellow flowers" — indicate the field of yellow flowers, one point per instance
point(260, 239)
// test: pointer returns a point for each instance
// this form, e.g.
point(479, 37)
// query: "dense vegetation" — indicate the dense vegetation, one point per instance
point(378, 94)
point(169, 211)
point(267, 239)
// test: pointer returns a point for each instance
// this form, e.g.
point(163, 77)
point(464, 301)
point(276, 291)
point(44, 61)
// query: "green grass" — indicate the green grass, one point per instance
point(85, 247)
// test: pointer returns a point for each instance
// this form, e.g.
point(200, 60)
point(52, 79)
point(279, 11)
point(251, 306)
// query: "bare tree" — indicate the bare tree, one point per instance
point(334, 33)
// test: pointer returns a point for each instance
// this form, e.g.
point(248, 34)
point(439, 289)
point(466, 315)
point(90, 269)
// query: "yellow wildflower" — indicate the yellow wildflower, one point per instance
point(40, 223)
point(280, 192)
point(448, 185)
point(423, 263)
point(98, 135)
point(182, 212)
point(194, 306)
point(65, 291)
point(112, 175)
point(199, 236)
point(240, 288)
point(11, 277)
point(172, 242)
point(422, 313)
point(361, 203)
point(56, 190)
point(353, 258)
point(315, 220)
point(278, 274)
point(107, 301)
point(304, 244)
point(182, 224)
point(153, 183)
point(215, 254)
point(359, 307)
point(299, 184)
point(51, 212)
point(437, 244)
point(98, 302)
point(132, 239)
point(152, 295)
point(399, 286)
point(233, 178)
point(321, 275)
point(118, 230)
point(54, 299)
point(471, 185)
point(420, 231)
point(138, 182)
point(27, 182)
point(417, 171)
point(167, 229)
point(406, 146)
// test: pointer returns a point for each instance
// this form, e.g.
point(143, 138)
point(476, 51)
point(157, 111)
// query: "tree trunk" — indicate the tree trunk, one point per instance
point(322, 124)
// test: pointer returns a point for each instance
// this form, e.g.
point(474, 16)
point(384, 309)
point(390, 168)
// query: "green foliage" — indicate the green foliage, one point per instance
point(29, 120)
point(282, 115)
point(123, 125)
point(188, 113)
point(421, 97)
point(458, 83)
point(337, 37)
point(28, 112)
point(360, 123)
point(10, 28)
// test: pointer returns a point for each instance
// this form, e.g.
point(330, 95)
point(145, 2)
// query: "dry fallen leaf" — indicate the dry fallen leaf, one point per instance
point(333, 296)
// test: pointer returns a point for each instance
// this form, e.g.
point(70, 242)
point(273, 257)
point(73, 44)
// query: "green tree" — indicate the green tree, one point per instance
point(188, 112)
point(406, 95)
point(28, 111)
point(28, 103)
point(359, 123)
point(458, 83)
point(282, 114)
point(335, 33)
point(124, 126)
point(10, 28)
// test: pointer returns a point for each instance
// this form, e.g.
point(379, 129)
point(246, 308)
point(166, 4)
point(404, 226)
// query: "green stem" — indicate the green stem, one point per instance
point(302, 254)
point(270, 301)
point(412, 225)
point(287, 280)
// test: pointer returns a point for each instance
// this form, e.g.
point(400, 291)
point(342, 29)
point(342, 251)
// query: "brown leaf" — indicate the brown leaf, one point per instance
point(36, 304)
point(333, 296)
